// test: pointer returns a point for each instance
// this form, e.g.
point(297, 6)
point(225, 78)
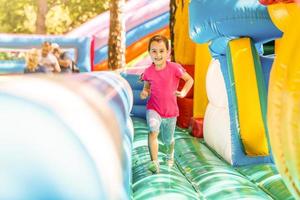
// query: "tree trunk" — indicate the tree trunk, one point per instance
point(173, 9)
point(116, 41)
point(42, 10)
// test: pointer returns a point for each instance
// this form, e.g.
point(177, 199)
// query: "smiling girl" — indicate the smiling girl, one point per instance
point(161, 81)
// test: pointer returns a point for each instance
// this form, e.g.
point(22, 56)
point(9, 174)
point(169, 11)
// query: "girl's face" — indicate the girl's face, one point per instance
point(32, 59)
point(158, 53)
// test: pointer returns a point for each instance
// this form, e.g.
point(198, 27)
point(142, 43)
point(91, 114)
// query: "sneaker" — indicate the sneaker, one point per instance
point(154, 167)
point(170, 162)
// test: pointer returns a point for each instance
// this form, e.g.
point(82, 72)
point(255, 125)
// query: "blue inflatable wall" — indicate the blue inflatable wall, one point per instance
point(139, 105)
point(81, 48)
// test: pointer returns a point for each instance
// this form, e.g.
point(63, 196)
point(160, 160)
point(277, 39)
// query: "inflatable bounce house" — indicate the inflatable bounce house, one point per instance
point(84, 136)
point(88, 43)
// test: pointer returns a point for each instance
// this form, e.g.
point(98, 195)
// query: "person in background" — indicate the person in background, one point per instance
point(47, 59)
point(161, 81)
point(66, 64)
point(32, 59)
point(63, 58)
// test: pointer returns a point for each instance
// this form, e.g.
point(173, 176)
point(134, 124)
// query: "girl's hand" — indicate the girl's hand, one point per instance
point(144, 94)
point(180, 94)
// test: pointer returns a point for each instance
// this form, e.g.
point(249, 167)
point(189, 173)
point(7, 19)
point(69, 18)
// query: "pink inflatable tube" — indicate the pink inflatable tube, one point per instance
point(136, 12)
point(134, 18)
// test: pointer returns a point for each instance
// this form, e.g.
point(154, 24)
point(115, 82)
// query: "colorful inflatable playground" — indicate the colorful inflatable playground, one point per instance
point(84, 135)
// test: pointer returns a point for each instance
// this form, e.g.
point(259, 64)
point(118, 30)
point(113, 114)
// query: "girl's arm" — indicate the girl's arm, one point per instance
point(146, 90)
point(187, 86)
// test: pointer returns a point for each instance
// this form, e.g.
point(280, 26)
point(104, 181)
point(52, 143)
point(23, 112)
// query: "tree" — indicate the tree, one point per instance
point(47, 16)
point(173, 8)
point(42, 10)
point(17, 16)
point(116, 42)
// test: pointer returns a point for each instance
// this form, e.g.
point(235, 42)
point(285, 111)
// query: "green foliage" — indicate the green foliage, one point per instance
point(15, 16)
point(58, 20)
point(19, 16)
point(83, 10)
point(15, 55)
point(4, 56)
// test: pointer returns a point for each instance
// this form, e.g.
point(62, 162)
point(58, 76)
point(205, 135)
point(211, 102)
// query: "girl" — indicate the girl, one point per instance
point(32, 59)
point(161, 80)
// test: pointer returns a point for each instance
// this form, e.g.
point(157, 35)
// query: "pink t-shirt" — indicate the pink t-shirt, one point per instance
point(163, 85)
